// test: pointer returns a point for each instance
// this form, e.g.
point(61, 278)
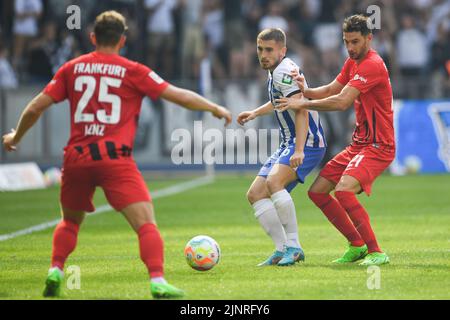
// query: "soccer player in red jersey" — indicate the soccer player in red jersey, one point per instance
point(105, 92)
point(364, 81)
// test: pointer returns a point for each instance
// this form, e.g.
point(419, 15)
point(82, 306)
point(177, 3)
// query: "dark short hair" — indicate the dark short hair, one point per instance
point(275, 34)
point(357, 23)
point(109, 27)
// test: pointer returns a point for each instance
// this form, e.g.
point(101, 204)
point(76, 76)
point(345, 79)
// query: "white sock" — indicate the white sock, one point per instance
point(268, 218)
point(158, 280)
point(285, 207)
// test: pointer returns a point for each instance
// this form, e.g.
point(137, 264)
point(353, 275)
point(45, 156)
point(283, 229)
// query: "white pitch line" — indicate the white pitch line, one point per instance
point(178, 188)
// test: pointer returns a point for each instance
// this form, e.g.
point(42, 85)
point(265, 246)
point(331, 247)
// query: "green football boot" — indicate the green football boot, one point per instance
point(165, 291)
point(375, 259)
point(53, 283)
point(352, 254)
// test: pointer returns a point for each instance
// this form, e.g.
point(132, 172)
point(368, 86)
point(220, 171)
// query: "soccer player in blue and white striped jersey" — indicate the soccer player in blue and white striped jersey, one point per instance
point(301, 150)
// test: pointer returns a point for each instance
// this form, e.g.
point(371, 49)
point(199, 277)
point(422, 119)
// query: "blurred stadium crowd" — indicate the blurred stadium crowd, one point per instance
point(175, 36)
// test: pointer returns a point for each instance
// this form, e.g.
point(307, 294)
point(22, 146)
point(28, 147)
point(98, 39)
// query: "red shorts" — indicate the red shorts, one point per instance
point(364, 163)
point(121, 182)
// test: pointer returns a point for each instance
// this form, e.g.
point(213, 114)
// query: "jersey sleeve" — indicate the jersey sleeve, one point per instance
point(57, 87)
point(282, 79)
point(366, 77)
point(148, 82)
point(344, 76)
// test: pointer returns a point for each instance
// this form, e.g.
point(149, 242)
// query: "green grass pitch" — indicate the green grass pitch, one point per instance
point(410, 215)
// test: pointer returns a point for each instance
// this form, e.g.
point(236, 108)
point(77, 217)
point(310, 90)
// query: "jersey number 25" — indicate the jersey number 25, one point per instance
point(103, 96)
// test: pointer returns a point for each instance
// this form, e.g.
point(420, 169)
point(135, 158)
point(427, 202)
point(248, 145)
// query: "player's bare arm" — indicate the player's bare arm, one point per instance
point(247, 116)
point(338, 102)
point(29, 116)
point(193, 101)
point(322, 92)
point(301, 132)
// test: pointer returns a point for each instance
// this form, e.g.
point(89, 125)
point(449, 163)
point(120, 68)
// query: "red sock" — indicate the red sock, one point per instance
point(359, 217)
point(337, 216)
point(64, 242)
point(151, 247)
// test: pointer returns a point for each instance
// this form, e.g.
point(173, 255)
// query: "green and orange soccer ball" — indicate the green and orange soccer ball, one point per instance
point(202, 253)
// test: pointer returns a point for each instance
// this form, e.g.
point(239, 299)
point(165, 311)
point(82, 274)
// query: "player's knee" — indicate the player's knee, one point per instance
point(253, 195)
point(318, 188)
point(273, 185)
point(345, 186)
point(349, 184)
point(76, 217)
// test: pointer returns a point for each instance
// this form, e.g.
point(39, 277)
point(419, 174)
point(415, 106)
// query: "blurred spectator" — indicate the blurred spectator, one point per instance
point(304, 21)
point(329, 9)
point(42, 54)
point(134, 45)
point(67, 50)
point(440, 56)
point(213, 29)
point(274, 17)
point(222, 34)
point(238, 55)
point(251, 14)
point(411, 40)
point(439, 11)
point(193, 46)
point(8, 79)
point(382, 43)
point(161, 36)
point(25, 28)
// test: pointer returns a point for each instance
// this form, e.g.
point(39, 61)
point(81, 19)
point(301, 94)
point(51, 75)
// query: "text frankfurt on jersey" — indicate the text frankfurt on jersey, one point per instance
point(100, 68)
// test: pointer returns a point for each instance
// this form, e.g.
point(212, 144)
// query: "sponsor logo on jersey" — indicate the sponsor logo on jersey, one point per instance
point(358, 77)
point(287, 79)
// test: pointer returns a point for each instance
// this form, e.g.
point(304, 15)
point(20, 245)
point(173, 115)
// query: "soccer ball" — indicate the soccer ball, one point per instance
point(202, 253)
point(413, 164)
point(52, 177)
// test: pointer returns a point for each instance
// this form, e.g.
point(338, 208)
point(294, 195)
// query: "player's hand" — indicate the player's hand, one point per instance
point(299, 79)
point(283, 104)
point(223, 113)
point(8, 141)
point(296, 159)
point(245, 117)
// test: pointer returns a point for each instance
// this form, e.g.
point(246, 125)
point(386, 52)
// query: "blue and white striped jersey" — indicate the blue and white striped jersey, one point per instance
point(280, 85)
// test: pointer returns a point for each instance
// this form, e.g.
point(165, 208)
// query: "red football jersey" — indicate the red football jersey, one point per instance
point(105, 92)
point(373, 107)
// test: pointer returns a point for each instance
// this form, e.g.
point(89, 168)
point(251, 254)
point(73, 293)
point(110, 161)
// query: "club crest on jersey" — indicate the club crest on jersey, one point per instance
point(287, 79)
